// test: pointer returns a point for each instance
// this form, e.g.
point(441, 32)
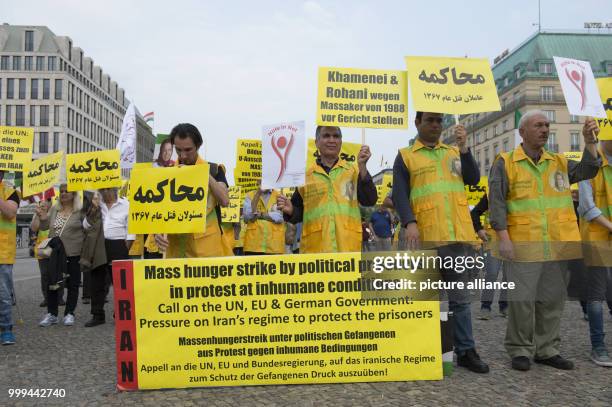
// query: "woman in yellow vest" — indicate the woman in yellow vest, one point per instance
point(265, 231)
point(9, 201)
point(596, 230)
point(328, 204)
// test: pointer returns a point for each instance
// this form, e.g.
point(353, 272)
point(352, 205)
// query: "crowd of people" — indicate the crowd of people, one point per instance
point(530, 232)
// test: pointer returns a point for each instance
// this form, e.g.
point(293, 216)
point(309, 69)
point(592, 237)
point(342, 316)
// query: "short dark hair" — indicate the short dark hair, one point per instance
point(419, 115)
point(319, 128)
point(187, 130)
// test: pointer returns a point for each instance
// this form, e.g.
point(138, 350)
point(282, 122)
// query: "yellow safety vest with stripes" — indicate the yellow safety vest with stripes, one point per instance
point(263, 236)
point(8, 231)
point(332, 220)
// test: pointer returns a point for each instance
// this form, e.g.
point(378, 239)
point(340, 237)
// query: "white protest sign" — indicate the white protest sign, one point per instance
point(579, 87)
point(283, 155)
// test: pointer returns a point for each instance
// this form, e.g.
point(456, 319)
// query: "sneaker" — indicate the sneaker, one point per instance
point(557, 362)
point(472, 362)
point(601, 358)
point(68, 319)
point(94, 322)
point(503, 312)
point(7, 338)
point(521, 363)
point(49, 319)
point(485, 314)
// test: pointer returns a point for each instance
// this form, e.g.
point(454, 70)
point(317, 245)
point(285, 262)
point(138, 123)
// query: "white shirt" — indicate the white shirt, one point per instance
point(114, 220)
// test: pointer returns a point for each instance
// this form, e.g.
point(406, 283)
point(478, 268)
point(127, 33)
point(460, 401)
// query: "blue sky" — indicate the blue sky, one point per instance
point(232, 67)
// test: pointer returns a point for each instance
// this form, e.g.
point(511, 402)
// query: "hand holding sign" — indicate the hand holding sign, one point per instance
point(362, 159)
point(284, 204)
point(461, 138)
point(590, 131)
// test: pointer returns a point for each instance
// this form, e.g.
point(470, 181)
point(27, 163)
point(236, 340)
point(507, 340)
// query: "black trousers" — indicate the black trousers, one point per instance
point(115, 250)
point(72, 283)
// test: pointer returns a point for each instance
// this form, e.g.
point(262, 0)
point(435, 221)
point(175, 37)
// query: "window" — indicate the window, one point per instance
point(29, 41)
point(9, 111)
point(550, 115)
point(506, 81)
point(27, 63)
point(51, 63)
point(609, 69)
point(40, 63)
point(486, 135)
point(32, 115)
point(477, 138)
point(4, 63)
point(34, 89)
point(16, 63)
point(546, 93)
point(515, 96)
point(552, 145)
point(574, 141)
point(10, 88)
point(495, 149)
point(46, 88)
point(55, 142)
point(574, 118)
point(505, 125)
point(517, 73)
point(20, 115)
point(58, 89)
point(22, 88)
point(506, 145)
point(504, 101)
point(44, 115)
point(545, 67)
point(43, 142)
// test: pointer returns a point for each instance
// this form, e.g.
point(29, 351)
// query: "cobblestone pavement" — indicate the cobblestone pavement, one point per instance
point(81, 361)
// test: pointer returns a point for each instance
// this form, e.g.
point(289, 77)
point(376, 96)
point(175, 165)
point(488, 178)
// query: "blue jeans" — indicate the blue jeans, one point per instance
point(492, 267)
point(6, 300)
point(597, 284)
point(596, 324)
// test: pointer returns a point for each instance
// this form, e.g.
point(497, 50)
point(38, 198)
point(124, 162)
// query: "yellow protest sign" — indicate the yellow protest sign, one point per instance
point(349, 97)
point(286, 319)
point(348, 152)
point(452, 85)
point(15, 147)
point(93, 170)
point(42, 174)
point(476, 192)
point(384, 188)
point(248, 158)
point(169, 200)
point(231, 213)
point(605, 125)
point(573, 155)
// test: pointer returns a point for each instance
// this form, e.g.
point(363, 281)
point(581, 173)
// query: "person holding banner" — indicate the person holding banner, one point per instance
point(596, 231)
point(429, 196)
point(537, 234)
point(9, 202)
point(64, 220)
point(328, 204)
point(187, 140)
point(265, 232)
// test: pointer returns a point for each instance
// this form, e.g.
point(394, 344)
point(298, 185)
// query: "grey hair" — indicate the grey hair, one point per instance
point(528, 115)
point(319, 128)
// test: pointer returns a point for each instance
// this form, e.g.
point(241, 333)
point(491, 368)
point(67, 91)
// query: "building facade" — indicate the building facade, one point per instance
point(526, 79)
point(48, 84)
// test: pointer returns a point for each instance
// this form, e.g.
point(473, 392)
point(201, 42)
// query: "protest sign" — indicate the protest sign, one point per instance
point(248, 159)
point(605, 124)
point(231, 213)
point(363, 98)
point(579, 87)
point(15, 147)
point(255, 320)
point(476, 192)
point(283, 155)
point(169, 200)
point(348, 152)
point(93, 170)
point(452, 85)
point(42, 174)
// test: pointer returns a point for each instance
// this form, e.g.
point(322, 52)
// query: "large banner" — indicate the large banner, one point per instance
point(93, 170)
point(605, 124)
point(287, 319)
point(15, 147)
point(350, 97)
point(42, 174)
point(169, 200)
point(452, 85)
point(348, 152)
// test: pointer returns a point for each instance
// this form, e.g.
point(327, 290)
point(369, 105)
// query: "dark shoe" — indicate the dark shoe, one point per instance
point(43, 304)
point(521, 363)
point(557, 362)
point(94, 322)
point(61, 303)
point(471, 360)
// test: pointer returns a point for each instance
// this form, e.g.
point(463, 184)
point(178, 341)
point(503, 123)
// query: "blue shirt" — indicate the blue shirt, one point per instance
point(381, 222)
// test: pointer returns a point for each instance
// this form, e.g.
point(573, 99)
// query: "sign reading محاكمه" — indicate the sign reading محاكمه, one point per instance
point(93, 170)
point(452, 85)
point(42, 174)
point(365, 98)
point(15, 147)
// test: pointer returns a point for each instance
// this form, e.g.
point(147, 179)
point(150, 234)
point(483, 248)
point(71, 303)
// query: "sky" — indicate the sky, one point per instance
point(231, 68)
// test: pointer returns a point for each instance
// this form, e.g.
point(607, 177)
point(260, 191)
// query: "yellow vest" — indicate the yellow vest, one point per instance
point(8, 231)
point(437, 194)
point(207, 244)
point(240, 241)
point(263, 236)
point(42, 235)
point(541, 220)
point(227, 238)
point(137, 248)
point(150, 244)
point(332, 220)
point(597, 244)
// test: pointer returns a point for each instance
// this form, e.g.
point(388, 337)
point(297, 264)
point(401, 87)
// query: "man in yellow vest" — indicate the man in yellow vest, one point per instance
point(328, 204)
point(429, 196)
point(187, 139)
point(265, 232)
point(533, 216)
point(9, 202)
point(595, 210)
